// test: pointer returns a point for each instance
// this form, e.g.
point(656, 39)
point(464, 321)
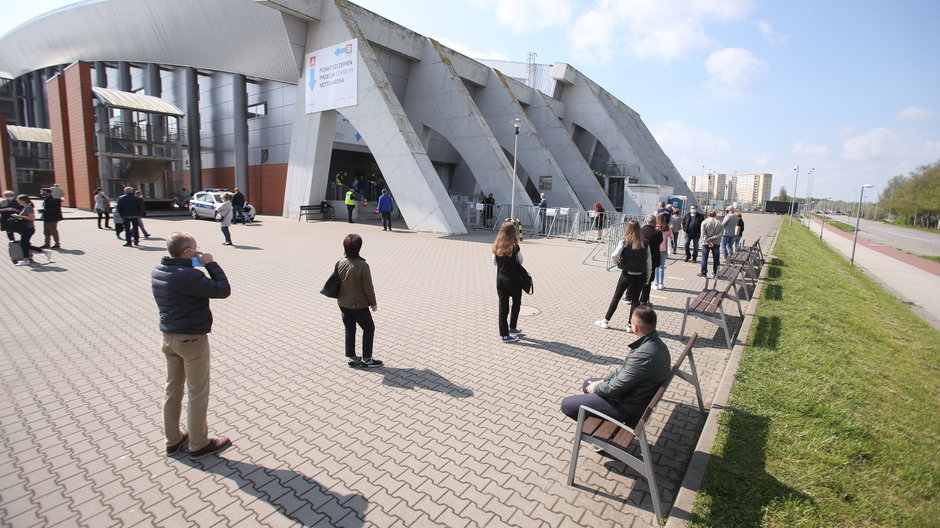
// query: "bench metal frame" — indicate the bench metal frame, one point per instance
point(710, 309)
point(615, 437)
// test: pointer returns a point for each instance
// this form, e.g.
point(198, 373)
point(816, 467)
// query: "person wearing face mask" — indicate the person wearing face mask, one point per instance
point(692, 226)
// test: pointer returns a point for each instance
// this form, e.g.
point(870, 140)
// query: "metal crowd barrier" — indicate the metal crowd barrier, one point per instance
point(474, 215)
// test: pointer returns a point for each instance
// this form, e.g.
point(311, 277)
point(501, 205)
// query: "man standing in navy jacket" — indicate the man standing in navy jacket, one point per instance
point(131, 208)
point(182, 293)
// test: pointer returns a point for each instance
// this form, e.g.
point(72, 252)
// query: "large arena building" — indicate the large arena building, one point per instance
point(296, 101)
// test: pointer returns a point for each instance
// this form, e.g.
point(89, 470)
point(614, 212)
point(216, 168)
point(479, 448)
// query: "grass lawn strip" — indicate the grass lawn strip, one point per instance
point(833, 416)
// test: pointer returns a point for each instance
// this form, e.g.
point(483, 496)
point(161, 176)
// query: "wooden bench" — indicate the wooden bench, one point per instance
point(615, 437)
point(734, 273)
point(707, 305)
point(308, 210)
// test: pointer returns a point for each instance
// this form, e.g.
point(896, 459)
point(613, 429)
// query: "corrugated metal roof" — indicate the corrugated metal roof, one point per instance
point(36, 135)
point(132, 101)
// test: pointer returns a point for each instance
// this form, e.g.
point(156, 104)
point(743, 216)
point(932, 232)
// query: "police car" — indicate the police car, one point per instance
point(203, 204)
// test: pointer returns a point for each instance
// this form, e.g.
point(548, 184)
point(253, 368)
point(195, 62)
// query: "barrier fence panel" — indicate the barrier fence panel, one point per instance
point(480, 216)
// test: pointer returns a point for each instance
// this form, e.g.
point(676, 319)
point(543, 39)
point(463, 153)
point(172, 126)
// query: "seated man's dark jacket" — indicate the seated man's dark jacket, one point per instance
point(130, 206)
point(182, 293)
point(632, 385)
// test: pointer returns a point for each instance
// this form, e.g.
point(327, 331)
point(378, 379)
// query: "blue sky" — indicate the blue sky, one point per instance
point(846, 88)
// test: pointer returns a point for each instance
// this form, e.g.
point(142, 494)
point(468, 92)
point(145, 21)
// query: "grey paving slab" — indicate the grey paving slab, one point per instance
point(457, 429)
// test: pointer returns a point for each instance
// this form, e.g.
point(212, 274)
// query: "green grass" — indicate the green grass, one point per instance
point(917, 228)
point(842, 226)
point(833, 417)
point(929, 257)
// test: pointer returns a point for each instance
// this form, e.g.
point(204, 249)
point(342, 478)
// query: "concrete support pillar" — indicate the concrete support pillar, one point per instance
point(240, 126)
point(37, 95)
point(18, 92)
point(124, 85)
point(6, 173)
point(101, 74)
point(102, 127)
point(154, 87)
point(192, 128)
point(309, 168)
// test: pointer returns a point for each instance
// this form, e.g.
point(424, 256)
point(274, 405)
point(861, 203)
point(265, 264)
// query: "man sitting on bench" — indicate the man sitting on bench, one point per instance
point(626, 391)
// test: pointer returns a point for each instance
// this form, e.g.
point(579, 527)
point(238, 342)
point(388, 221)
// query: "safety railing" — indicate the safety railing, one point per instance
point(482, 216)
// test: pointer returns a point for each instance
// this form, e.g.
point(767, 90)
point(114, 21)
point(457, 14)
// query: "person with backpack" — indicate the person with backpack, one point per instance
point(633, 257)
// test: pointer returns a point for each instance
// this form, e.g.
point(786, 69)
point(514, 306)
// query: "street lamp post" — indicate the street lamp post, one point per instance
point(516, 124)
point(858, 219)
point(823, 217)
point(793, 198)
point(809, 191)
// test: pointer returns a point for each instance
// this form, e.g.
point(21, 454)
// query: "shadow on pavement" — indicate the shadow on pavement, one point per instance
point(45, 268)
point(294, 495)
point(564, 349)
point(412, 378)
point(239, 246)
point(69, 251)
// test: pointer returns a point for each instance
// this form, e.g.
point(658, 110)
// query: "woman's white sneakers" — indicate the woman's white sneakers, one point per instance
point(602, 323)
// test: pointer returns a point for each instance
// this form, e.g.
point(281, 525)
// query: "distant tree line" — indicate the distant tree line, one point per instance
point(914, 199)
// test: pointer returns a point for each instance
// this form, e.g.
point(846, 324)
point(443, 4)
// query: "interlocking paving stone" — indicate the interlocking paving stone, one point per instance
point(457, 429)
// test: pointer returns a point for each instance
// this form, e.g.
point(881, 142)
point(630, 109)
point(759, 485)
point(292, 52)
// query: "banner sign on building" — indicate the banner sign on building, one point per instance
point(330, 77)
point(545, 183)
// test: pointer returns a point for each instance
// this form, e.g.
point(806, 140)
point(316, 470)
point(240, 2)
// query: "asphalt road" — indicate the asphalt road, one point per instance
point(906, 239)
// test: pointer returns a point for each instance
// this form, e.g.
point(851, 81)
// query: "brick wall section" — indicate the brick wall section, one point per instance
point(6, 173)
point(266, 184)
point(61, 146)
point(81, 120)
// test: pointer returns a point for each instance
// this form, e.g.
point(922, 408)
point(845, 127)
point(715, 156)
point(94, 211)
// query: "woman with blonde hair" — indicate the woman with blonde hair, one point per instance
point(507, 257)
point(632, 256)
point(225, 213)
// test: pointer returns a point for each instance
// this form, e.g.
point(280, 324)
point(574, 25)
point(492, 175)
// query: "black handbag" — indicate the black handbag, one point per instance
point(331, 288)
point(526, 281)
point(15, 225)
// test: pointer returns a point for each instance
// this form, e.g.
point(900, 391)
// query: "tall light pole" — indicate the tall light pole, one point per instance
point(823, 218)
point(858, 219)
point(516, 124)
point(793, 198)
point(809, 190)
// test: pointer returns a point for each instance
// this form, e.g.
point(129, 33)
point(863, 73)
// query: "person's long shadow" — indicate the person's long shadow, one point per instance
point(239, 246)
point(296, 496)
point(564, 349)
point(46, 268)
point(412, 378)
point(70, 251)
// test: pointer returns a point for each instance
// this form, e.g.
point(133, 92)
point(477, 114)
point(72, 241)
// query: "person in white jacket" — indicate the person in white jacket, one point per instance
point(224, 213)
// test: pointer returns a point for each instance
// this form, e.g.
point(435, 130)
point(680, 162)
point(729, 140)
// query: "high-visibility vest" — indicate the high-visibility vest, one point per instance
point(349, 198)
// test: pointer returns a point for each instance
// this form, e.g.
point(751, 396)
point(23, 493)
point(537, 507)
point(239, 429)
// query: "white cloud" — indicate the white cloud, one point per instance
point(734, 71)
point(666, 30)
point(884, 143)
point(914, 113)
point(769, 34)
point(524, 15)
point(761, 161)
point(678, 136)
point(807, 150)
point(473, 54)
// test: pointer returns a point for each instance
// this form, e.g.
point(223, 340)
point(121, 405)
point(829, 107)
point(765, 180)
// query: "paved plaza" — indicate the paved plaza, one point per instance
point(456, 430)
